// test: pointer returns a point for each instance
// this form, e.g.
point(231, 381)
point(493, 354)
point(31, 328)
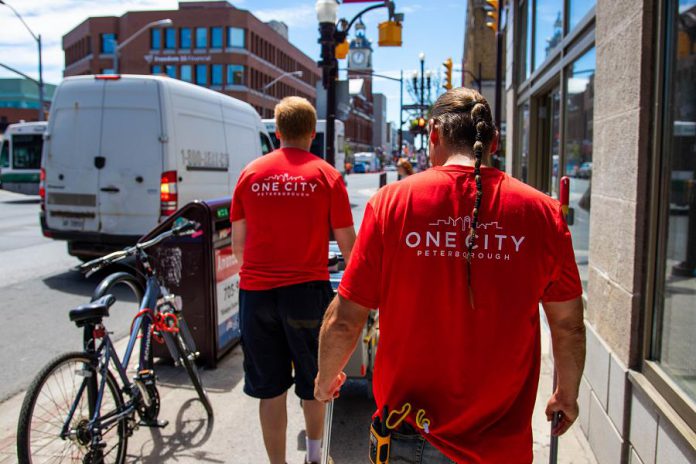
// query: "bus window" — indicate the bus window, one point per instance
point(266, 145)
point(26, 151)
point(318, 145)
point(5, 154)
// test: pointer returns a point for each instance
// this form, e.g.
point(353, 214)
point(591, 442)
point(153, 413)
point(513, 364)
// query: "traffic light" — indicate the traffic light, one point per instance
point(492, 15)
point(448, 73)
point(421, 123)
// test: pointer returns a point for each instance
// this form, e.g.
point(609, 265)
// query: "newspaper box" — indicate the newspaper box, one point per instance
point(202, 270)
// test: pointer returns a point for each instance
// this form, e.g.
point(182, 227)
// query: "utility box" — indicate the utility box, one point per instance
point(202, 270)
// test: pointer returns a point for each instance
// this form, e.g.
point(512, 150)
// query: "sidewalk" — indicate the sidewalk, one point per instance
point(235, 435)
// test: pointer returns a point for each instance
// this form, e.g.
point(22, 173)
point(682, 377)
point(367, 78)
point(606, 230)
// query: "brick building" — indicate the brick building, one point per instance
point(212, 44)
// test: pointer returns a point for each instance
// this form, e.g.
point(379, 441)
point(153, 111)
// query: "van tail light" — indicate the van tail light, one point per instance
point(168, 194)
point(42, 188)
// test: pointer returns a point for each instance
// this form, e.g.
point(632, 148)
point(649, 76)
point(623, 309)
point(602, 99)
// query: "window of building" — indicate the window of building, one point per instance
point(524, 51)
point(523, 159)
point(579, 114)
point(216, 74)
point(548, 28)
point(170, 69)
point(186, 74)
point(235, 74)
point(215, 37)
point(155, 38)
point(156, 69)
point(170, 38)
point(577, 9)
point(108, 43)
point(202, 74)
point(674, 318)
point(235, 37)
point(201, 37)
point(185, 38)
point(108, 71)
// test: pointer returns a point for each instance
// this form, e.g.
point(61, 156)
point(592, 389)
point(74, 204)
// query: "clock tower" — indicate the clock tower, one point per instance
point(360, 122)
point(360, 59)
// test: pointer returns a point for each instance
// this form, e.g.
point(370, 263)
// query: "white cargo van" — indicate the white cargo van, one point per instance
point(318, 145)
point(122, 152)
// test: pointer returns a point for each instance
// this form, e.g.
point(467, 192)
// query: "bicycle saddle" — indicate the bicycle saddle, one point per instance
point(92, 312)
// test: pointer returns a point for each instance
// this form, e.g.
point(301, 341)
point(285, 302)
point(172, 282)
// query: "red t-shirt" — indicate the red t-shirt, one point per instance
point(289, 199)
point(474, 371)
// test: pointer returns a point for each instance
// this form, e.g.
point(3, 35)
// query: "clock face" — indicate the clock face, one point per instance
point(359, 57)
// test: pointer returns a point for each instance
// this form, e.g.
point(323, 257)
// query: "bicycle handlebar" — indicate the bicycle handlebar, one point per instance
point(95, 265)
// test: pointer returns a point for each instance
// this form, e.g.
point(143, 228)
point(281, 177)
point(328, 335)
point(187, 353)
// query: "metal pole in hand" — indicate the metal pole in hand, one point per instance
point(553, 448)
point(326, 440)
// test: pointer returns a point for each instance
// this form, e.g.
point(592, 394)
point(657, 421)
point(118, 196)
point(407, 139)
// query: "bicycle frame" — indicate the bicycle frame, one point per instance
point(106, 352)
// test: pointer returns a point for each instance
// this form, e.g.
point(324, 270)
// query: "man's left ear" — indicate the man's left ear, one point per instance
point(494, 143)
point(314, 134)
point(434, 133)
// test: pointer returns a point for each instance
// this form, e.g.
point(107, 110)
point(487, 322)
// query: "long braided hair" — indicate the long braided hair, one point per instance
point(464, 119)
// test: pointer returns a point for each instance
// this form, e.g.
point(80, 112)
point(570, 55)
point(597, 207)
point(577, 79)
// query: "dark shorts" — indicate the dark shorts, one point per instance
point(280, 329)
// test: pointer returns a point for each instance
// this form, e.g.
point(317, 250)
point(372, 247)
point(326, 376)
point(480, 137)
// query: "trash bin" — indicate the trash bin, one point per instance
point(202, 270)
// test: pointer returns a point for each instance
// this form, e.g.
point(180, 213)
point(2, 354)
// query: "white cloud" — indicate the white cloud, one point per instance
point(302, 16)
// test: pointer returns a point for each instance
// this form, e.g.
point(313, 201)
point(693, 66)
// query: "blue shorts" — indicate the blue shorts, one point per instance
point(280, 328)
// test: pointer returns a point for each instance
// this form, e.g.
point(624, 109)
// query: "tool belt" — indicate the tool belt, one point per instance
point(390, 421)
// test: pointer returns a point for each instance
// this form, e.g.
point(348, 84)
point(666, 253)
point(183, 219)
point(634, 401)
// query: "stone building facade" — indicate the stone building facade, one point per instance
point(211, 43)
point(603, 91)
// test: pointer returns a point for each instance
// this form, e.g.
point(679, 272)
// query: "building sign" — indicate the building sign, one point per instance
point(227, 296)
point(177, 58)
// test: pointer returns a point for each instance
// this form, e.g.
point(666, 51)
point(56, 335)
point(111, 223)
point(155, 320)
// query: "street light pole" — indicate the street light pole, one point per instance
point(265, 88)
point(118, 47)
point(37, 38)
point(421, 57)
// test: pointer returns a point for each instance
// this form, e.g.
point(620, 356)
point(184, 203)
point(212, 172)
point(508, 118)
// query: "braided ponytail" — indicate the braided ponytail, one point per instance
point(465, 121)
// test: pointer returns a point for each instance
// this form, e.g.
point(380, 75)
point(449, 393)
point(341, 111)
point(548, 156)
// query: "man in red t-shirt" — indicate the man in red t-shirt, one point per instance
point(283, 208)
point(457, 259)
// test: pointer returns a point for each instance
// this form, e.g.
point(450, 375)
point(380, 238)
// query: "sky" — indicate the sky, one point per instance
point(435, 28)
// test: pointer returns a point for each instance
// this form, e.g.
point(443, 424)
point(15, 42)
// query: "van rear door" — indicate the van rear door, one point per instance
point(71, 154)
point(129, 182)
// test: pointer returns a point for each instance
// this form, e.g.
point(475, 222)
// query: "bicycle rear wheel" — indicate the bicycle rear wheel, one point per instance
point(47, 405)
point(187, 356)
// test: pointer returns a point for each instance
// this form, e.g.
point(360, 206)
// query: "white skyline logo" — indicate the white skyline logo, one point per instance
point(286, 177)
point(465, 223)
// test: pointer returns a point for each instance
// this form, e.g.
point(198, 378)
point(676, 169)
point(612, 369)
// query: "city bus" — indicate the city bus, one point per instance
point(20, 157)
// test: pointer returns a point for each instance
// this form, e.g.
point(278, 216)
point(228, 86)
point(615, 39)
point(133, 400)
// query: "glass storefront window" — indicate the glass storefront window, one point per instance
point(185, 37)
point(201, 37)
point(156, 69)
point(235, 74)
point(170, 38)
point(579, 112)
point(202, 74)
point(108, 43)
point(216, 74)
point(170, 69)
point(577, 9)
point(524, 51)
point(548, 32)
point(186, 74)
point(215, 37)
point(675, 315)
point(235, 37)
point(155, 38)
point(523, 173)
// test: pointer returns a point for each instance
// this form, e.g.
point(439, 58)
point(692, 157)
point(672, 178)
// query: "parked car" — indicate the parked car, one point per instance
point(585, 170)
point(122, 152)
point(360, 168)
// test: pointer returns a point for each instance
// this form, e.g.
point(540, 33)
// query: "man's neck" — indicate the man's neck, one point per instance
point(460, 159)
point(297, 145)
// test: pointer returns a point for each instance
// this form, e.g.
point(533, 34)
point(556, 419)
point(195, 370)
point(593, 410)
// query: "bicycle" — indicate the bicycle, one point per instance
point(77, 408)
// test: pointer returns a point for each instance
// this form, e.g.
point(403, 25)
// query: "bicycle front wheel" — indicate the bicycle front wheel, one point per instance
point(46, 409)
point(187, 357)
